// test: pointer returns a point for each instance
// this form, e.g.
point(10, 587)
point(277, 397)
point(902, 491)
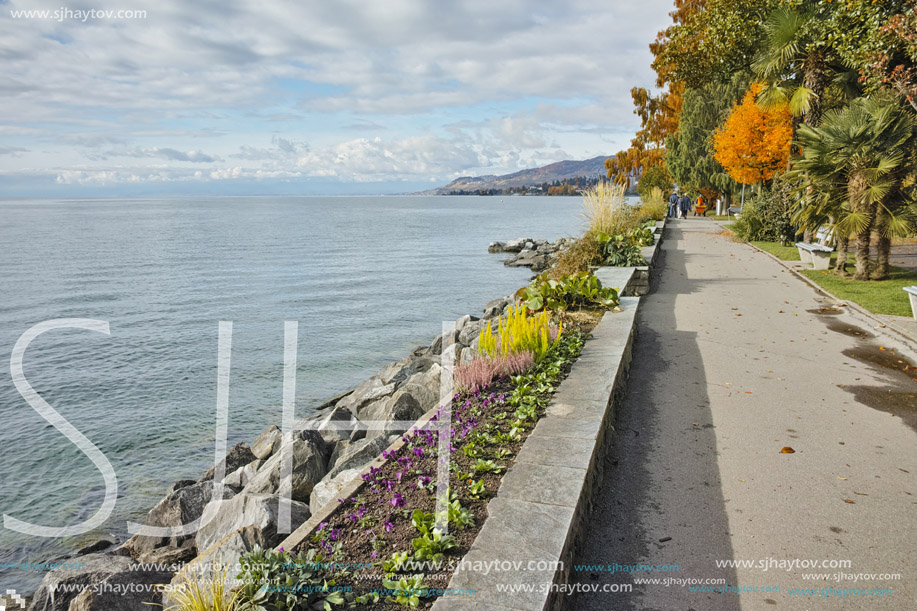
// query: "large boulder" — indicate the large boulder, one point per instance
point(429, 379)
point(329, 489)
point(402, 406)
point(267, 443)
point(356, 454)
point(367, 392)
point(61, 586)
point(241, 476)
point(496, 307)
point(256, 510)
point(125, 591)
point(239, 456)
point(310, 463)
point(470, 332)
point(183, 506)
point(515, 245)
point(336, 424)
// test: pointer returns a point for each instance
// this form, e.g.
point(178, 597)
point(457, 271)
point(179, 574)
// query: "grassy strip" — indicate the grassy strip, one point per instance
point(387, 528)
point(877, 296)
point(784, 253)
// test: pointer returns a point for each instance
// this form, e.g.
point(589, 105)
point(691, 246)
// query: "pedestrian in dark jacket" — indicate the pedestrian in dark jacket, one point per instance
point(685, 204)
point(673, 205)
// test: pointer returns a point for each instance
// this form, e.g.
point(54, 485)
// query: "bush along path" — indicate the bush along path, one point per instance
point(382, 549)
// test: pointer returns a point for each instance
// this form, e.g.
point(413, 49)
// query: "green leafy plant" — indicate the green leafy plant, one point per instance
point(487, 466)
point(431, 545)
point(279, 581)
point(477, 489)
point(407, 591)
point(621, 250)
point(571, 292)
point(396, 562)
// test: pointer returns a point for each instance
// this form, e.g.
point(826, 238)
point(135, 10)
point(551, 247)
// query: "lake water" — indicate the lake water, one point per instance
point(368, 279)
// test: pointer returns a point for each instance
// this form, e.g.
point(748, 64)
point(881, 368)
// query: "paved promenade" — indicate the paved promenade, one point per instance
point(735, 359)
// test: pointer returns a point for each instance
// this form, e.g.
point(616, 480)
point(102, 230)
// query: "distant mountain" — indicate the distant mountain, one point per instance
point(560, 170)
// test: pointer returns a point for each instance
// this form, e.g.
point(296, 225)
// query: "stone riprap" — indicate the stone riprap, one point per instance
point(330, 447)
point(538, 255)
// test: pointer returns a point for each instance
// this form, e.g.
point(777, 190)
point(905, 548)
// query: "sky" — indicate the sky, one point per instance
point(181, 97)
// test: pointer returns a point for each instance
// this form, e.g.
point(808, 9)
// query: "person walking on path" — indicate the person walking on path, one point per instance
point(699, 205)
point(685, 204)
point(673, 205)
point(754, 361)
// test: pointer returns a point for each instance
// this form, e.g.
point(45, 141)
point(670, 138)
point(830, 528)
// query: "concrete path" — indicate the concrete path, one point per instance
point(735, 359)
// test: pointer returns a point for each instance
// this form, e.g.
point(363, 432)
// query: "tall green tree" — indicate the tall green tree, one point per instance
point(858, 166)
point(689, 152)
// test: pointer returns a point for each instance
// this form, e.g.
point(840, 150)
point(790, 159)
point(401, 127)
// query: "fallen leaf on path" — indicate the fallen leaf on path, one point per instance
point(747, 392)
point(849, 501)
point(861, 493)
point(881, 347)
point(779, 311)
point(843, 478)
point(738, 314)
point(787, 450)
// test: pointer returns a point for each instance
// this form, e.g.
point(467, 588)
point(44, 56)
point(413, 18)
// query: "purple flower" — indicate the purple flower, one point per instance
point(418, 452)
point(398, 500)
point(280, 550)
point(322, 526)
point(334, 534)
point(389, 527)
point(374, 555)
point(387, 454)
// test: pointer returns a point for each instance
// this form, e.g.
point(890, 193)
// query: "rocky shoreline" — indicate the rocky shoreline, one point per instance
point(539, 255)
point(335, 443)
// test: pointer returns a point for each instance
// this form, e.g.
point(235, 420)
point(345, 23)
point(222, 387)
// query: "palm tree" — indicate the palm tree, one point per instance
point(858, 167)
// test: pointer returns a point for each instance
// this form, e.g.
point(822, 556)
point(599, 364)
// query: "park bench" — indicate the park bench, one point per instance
point(734, 211)
point(816, 254)
point(912, 293)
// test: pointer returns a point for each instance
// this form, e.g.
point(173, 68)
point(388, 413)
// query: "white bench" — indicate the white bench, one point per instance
point(912, 293)
point(816, 254)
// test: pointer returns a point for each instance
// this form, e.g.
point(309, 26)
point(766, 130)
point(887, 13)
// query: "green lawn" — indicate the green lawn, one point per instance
point(879, 297)
point(785, 253)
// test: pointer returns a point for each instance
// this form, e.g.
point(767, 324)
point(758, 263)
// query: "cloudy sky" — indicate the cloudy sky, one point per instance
point(315, 96)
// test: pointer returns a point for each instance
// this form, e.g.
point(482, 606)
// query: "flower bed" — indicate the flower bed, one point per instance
point(385, 537)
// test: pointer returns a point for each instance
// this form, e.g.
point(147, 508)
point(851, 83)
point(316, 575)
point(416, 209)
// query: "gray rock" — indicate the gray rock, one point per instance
point(429, 379)
point(310, 463)
point(470, 332)
point(403, 405)
point(182, 483)
point(241, 476)
point(337, 424)
point(515, 245)
point(328, 489)
point(450, 337)
point(256, 510)
point(368, 391)
point(356, 454)
point(496, 247)
point(61, 586)
point(181, 507)
point(496, 307)
point(239, 456)
point(267, 443)
point(123, 591)
point(170, 556)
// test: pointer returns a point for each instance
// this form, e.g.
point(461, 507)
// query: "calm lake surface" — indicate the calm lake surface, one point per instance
point(367, 278)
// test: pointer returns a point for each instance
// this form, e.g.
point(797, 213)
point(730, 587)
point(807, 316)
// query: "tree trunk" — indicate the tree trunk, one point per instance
point(883, 246)
point(840, 265)
point(863, 254)
point(815, 76)
point(807, 235)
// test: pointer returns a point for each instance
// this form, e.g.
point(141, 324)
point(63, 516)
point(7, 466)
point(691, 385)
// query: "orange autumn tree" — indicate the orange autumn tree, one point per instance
point(754, 144)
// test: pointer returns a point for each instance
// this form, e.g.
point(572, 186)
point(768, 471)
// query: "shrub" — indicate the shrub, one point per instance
point(605, 210)
point(517, 332)
point(575, 291)
point(654, 207)
point(579, 257)
point(211, 594)
point(481, 371)
point(767, 217)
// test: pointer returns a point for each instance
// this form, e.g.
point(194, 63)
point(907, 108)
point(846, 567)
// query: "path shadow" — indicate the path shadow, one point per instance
point(660, 501)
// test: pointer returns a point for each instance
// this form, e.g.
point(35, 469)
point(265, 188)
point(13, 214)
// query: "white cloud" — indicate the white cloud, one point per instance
point(521, 73)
